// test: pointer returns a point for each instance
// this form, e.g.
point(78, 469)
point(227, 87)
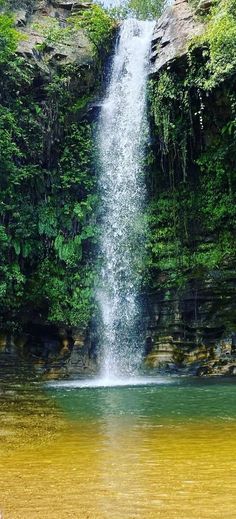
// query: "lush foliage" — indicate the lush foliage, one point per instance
point(8, 38)
point(192, 215)
point(146, 8)
point(219, 43)
point(143, 9)
point(47, 186)
point(47, 181)
point(98, 25)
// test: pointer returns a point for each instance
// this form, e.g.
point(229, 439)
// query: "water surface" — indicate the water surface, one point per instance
point(158, 451)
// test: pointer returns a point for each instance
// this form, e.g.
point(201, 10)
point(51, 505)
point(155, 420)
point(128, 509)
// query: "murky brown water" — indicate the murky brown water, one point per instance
point(130, 453)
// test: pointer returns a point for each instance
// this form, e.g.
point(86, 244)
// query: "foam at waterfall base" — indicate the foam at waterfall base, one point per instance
point(108, 382)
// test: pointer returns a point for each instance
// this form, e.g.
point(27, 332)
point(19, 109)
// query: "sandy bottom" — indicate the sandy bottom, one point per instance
point(120, 467)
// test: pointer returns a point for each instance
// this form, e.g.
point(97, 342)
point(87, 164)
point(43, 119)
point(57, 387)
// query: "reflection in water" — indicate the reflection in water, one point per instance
point(130, 453)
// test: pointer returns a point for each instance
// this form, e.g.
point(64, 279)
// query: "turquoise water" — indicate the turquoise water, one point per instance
point(176, 399)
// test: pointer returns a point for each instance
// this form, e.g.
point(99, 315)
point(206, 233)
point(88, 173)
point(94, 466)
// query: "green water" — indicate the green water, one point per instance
point(177, 399)
point(164, 451)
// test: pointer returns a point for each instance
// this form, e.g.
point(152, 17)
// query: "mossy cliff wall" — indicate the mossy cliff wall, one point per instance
point(191, 273)
point(52, 57)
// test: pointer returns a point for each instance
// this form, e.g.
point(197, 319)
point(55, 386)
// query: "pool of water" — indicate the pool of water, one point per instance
point(165, 450)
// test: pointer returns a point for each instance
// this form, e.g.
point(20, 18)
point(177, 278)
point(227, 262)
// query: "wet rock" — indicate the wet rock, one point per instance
point(71, 4)
point(80, 361)
point(78, 338)
point(225, 346)
point(172, 35)
point(162, 353)
point(199, 353)
point(3, 342)
point(197, 321)
point(222, 367)
point(76, 51)
point(48, 351)
point(55, 373)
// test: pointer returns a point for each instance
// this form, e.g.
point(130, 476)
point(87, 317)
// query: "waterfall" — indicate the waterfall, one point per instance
point(122, 136)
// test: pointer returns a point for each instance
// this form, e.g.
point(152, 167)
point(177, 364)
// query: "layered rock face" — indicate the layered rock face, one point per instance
point(44, 46)
point(48, 352)
point(188, 331)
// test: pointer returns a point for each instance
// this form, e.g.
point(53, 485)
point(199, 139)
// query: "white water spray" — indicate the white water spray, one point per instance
point(122, 137)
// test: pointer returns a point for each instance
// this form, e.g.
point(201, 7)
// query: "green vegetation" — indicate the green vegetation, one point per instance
point(219, 43)
point(94, 21)
point(98, 25)
point(47, 186)
point(146, 8)
point(8, 38)
point(143, 9)
point(192, 215)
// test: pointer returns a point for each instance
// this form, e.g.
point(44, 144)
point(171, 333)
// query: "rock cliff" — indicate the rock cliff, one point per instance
point(190, 312)
point(42, 41)
point(173, 33)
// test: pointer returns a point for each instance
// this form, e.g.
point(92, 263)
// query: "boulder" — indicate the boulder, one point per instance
point(172, 34)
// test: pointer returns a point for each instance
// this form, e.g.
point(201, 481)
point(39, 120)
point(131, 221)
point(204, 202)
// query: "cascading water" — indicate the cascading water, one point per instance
point(122, 137)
